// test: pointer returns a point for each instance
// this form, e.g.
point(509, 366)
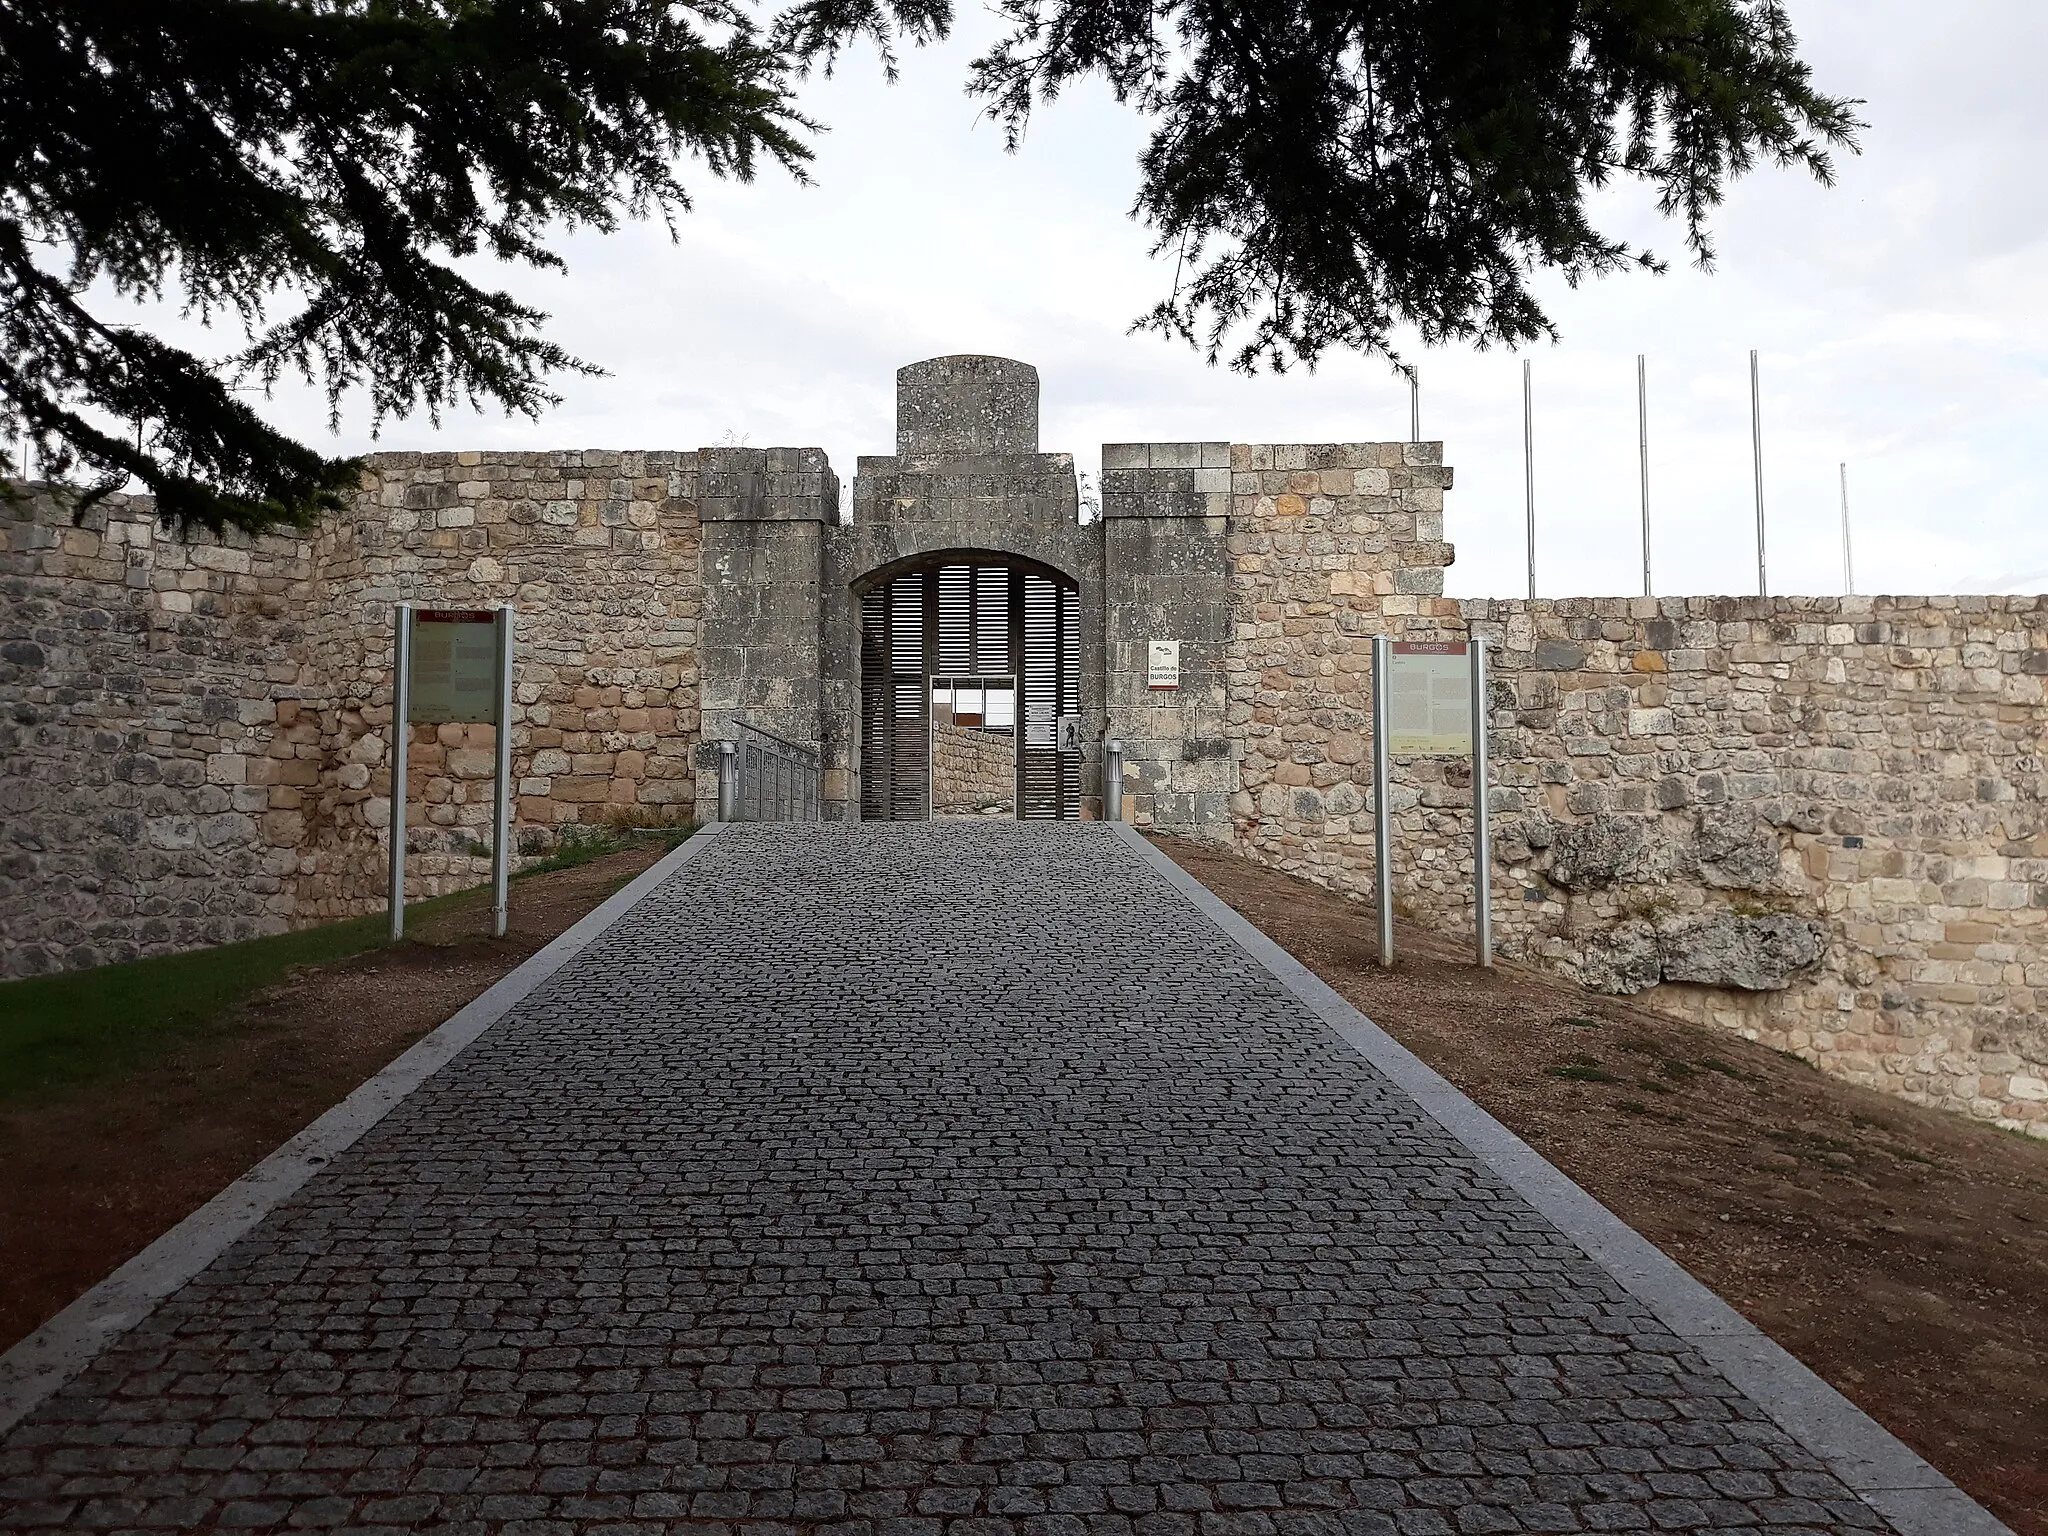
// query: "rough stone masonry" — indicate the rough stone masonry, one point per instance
point(1817, 821)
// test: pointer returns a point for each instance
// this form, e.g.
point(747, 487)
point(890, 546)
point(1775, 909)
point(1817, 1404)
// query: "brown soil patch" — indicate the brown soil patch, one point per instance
point(1901, 1253)
point(97, 1173)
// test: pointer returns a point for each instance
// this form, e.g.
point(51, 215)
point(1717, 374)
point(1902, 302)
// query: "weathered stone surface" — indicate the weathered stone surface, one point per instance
point(1757, 954)
point(1600, 851)
point(232, 697)
point(954, 406)
point(1737, 849)
point(1622, 961)
point(1886, 752)
point(974, 773)
point(1888, 748)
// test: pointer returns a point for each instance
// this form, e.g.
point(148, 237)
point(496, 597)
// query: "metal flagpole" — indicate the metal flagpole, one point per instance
point(1848, 567)
point(1482, 813)
point(1414, 406)
point(1382, 814)
point(1643, 456)
point(401, 723)
point(1529, 473)
point(1756, 440)
point(501, 812)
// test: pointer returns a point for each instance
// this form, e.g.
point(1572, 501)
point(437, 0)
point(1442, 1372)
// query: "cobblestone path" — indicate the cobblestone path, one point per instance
point(909, 1181)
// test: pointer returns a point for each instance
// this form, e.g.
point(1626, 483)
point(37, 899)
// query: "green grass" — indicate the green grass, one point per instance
point(1582, 1069)
point(57, 1032)
point(579, 845)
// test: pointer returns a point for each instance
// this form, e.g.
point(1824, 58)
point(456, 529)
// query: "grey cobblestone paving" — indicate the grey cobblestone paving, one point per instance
point(909, 1181)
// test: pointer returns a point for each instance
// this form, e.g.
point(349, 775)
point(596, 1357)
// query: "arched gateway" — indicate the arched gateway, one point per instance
point(963, 611)
point(970, 690)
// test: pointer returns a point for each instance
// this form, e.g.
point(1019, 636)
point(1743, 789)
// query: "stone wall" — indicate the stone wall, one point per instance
point(764, 513)
point(598, 552)
point(196, 736)
point(974, 773)
point(1165, 520)
point(1815, 821)
point(138, 674)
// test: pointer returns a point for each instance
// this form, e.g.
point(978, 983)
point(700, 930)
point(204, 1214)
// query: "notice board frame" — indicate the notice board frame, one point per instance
point(405, 621)
point(1386, 652)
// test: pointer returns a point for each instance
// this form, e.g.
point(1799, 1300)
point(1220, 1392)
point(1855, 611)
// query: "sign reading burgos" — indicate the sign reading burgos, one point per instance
point(1430, 700)
point(1162, 664)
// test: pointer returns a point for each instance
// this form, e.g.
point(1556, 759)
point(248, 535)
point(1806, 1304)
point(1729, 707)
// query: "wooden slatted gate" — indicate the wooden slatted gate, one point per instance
point(968, 619)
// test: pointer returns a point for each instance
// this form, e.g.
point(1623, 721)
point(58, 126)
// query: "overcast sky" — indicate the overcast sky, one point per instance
point(1901, 317)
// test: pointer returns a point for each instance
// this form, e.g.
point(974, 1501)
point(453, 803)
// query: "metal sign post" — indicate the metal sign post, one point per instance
point(1429, 700)
point(501, 808)
point(401, 732)
point(1382, 815)
point(453, 666)
point(1482, 817)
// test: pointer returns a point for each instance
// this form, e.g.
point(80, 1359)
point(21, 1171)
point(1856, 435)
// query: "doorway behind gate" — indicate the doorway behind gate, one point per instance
point(967, 667)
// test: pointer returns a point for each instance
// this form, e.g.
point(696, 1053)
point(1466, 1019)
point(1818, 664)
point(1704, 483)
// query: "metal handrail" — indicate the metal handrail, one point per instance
point(775, 779)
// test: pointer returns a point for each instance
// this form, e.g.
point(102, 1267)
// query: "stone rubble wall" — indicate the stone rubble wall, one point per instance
point(138, 676)
point(196, 733)
point(972, 770)
point(1817, 822)
point(598, 552)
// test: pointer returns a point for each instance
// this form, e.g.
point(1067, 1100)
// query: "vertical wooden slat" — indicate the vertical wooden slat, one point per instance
point(967, 620)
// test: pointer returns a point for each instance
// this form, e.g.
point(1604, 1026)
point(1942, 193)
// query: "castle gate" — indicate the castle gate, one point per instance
point(966, 641)
point(970, 692)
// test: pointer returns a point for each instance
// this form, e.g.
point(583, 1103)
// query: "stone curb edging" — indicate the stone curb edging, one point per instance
point(41, 1364)
point(1882, 1470)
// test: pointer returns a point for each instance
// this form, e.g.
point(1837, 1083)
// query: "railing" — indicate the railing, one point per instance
point(765, 778)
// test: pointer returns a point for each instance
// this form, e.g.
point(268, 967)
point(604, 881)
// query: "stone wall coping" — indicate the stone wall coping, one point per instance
point(564, 458)
point(1165, 456)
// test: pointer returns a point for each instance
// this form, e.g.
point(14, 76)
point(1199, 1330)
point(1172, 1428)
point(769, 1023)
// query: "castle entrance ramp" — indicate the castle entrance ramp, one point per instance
point(945, 1180)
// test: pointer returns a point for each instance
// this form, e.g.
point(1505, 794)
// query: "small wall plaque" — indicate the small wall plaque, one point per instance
point(1162, 664)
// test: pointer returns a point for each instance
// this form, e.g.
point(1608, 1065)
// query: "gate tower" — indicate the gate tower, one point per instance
point(965, 642)
point(976, 597)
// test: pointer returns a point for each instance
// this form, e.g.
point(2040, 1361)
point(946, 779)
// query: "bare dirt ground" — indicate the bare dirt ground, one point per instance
point(1902, 1253)
point(95, 1174)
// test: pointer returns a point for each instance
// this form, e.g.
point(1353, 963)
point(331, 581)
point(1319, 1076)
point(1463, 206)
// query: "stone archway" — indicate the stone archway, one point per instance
point(970, 667)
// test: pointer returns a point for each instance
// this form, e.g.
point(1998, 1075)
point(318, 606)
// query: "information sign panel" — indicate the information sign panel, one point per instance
point(1430, 700)
point(1162, 664)
point(454, 666)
